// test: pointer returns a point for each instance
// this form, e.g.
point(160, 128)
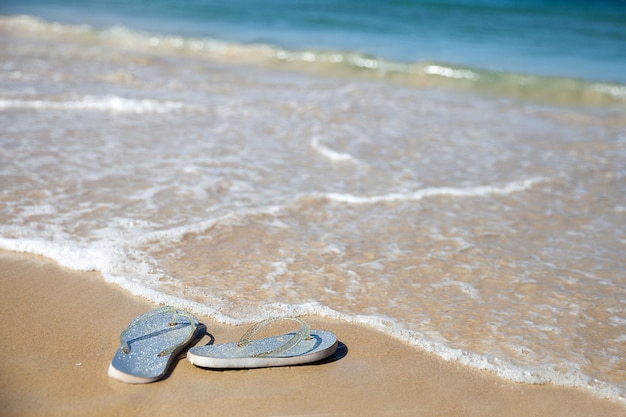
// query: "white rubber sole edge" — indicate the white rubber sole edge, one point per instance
point(127, 378)
point(260, 362)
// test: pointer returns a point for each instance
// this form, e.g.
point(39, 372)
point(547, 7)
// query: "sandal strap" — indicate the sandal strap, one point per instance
point(303, 334)
point(124, 342)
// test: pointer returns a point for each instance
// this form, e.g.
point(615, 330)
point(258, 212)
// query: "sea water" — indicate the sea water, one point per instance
point(452, 174)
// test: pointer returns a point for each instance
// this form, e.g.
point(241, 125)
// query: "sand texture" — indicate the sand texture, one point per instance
point(60, 329)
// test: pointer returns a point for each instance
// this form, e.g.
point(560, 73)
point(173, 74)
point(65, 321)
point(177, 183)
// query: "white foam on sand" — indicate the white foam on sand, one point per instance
point(330, 153)
point(107, 103)
point(476, 191)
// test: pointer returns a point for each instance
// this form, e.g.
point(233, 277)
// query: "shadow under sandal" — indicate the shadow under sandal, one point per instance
point(303, 346)
point(150, 343)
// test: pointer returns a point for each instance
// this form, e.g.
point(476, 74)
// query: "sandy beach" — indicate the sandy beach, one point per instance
point(61, 329)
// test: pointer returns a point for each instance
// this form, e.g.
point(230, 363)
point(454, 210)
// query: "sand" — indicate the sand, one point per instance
point(60, 329)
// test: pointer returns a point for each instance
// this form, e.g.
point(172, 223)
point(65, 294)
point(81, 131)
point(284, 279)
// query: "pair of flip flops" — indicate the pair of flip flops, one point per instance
point(153, 340)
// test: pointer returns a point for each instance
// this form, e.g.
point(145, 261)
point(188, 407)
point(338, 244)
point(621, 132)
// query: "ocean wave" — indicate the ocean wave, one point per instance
point(352, 64)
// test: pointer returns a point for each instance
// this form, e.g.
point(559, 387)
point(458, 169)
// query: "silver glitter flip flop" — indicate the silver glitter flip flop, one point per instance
point(303, 346)
point(151, 342)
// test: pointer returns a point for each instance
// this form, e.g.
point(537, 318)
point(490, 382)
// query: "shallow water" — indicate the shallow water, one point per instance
point(481, 227)
point(575, 38)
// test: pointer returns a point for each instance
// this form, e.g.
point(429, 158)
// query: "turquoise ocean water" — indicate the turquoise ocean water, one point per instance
point(451, 173)
point(506, 46)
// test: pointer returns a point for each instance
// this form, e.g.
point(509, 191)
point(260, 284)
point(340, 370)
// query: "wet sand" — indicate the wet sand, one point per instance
point(60, 329)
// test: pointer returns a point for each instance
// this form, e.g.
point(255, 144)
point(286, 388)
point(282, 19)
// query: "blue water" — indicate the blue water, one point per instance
point(577, 39)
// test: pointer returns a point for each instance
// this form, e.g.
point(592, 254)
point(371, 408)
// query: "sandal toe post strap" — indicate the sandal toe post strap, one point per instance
point(304, 333)
point(176, 313)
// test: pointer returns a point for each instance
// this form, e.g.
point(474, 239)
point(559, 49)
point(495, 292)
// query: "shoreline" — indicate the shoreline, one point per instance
point(61, 329)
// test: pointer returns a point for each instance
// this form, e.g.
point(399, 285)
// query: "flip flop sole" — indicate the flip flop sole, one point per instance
point(320, 345)
point(151, 343)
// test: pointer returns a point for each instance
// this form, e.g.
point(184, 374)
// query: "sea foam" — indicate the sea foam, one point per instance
point(96, 103)
point(476, 191)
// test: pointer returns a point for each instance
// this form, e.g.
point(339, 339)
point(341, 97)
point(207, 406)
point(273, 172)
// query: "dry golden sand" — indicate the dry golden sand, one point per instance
point(60, 329)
